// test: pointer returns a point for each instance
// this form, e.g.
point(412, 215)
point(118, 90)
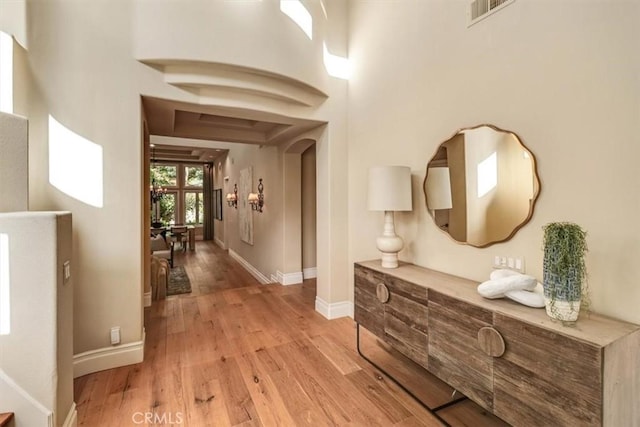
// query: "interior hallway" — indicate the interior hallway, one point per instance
point(237, 353)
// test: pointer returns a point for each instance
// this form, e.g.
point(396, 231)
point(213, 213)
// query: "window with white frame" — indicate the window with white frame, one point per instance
point(182, 196)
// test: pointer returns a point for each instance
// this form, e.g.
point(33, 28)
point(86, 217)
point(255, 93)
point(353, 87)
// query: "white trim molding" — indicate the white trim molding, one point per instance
point(16, 399)
point(72, 417)
point(250, 268)
point(287, 279)
point(147, 299)
point(219, 243)
point(310, 273)
point(334, 310)
point(108, 357)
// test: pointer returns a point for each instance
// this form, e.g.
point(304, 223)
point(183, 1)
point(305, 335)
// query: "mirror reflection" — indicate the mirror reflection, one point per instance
point(481, 185)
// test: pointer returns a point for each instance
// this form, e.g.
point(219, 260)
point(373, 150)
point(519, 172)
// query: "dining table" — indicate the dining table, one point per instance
point(177, 231)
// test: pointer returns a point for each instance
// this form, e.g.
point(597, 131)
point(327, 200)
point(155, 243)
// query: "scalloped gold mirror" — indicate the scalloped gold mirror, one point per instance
point(481, 185)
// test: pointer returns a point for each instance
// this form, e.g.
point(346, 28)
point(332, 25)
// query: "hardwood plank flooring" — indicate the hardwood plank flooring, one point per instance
point(237, 353)
point(6, 418)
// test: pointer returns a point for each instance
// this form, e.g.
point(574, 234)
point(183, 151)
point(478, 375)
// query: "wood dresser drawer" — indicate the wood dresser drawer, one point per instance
point(406, 320)
point(394, 310)
point(454, 354)
point(546, 378)
point(368, 310)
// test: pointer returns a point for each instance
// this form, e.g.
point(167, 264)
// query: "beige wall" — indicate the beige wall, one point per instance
point(458, 176)
point(269, 39)
point(266, 252)
point(292, 214)
point(565, 82)
point(277, 231)
point(13, 19)
point(514, 191)
point(37, 354)
point(82, 70)
point(14, 162)
point(219, 183)
point(309, 208)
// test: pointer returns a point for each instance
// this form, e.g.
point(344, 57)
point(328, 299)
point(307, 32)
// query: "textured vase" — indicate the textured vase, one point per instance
point(562, 295)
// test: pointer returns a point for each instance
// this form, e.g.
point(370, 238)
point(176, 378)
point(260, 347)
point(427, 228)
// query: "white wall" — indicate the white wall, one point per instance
point(562, 75)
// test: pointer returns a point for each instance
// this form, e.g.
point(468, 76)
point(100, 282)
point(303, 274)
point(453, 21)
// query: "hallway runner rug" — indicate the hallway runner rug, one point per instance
point(178, 282)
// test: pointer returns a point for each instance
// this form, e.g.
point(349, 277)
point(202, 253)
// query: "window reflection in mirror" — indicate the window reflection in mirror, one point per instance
point(481, 185)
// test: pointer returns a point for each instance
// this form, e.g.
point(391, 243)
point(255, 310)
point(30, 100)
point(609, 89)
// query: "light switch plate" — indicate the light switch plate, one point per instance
point(115, 335)
point(66, 271)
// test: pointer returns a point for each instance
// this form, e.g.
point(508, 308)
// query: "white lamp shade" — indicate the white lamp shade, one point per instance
point(438, 188)
point(390, 188)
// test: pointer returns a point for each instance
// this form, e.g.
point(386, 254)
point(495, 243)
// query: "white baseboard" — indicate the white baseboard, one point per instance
point(219, 243)
point(108, 358)
point(289, 278)
point(250, 268)
point(310, 273)
point(27, 409)
point(334, 310)
point(147, 299)
point(72, 417)
point(274, 279)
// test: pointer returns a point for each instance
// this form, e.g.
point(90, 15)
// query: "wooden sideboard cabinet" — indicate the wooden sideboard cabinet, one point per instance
point(510, 359)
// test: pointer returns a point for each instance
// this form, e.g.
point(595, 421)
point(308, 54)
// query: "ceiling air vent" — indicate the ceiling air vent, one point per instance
point(480, 9)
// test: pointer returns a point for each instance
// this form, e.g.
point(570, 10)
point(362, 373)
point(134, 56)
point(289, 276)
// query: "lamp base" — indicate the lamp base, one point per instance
point(390, 260)
point(389, 243)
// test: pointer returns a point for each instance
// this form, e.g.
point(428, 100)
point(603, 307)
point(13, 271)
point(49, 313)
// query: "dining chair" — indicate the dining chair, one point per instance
point(179, 233)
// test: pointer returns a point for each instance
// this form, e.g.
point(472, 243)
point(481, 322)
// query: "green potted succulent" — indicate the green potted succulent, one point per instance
point(564, 270)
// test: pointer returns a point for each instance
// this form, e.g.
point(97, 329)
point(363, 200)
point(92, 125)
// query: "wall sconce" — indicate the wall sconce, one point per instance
point(232, 198)
point(257, 200)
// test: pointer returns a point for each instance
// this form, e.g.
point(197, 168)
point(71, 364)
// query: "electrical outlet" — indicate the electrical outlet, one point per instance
point(499, 261)
point(115, 335)
point(512, 263)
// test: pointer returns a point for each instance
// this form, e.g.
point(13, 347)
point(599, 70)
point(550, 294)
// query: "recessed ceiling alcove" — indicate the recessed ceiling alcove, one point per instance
point(222, 124)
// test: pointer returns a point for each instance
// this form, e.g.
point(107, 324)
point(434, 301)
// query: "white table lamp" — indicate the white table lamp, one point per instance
point(389, 191)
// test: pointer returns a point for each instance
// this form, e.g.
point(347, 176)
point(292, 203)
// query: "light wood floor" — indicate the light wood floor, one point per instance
point(237, 353)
